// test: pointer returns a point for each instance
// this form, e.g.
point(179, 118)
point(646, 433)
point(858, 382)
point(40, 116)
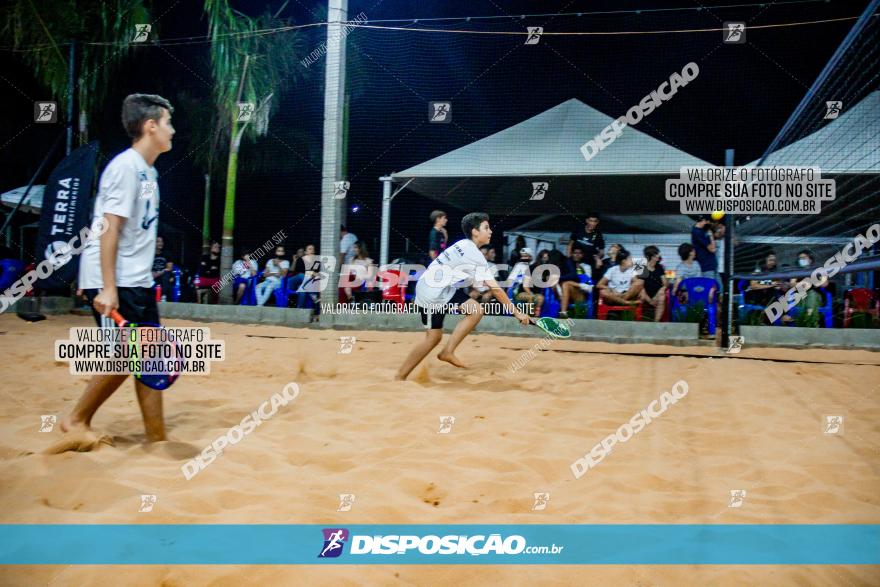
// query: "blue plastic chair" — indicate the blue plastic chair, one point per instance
point(551, 306)
point(176, 288)
point(699, 290)
point(10, 271)
point(589, 301)
point(250, 293)
point(281, 294)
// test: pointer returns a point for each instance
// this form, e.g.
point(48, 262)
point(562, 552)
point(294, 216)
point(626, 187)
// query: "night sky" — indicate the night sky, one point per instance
point(742, 98)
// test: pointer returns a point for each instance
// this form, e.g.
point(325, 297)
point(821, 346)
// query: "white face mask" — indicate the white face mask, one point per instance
point(804, 262)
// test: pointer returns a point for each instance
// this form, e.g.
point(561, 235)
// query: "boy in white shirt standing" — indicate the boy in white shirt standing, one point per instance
point(116, 272)
point(442, 289)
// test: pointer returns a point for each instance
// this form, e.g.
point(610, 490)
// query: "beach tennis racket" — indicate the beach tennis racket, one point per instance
point(153, 341)
point(553, 327)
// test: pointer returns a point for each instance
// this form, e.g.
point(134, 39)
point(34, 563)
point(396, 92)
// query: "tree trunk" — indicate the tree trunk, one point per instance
point(226, 252)
point(206, 217)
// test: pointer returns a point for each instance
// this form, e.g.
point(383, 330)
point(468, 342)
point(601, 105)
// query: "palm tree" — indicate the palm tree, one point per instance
point(44, 29)
point(249, 66)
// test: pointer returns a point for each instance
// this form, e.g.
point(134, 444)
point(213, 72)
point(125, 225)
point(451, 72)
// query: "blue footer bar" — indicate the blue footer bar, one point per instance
point(841, 544)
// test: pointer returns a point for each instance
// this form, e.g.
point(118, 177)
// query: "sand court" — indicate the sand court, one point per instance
point(755, 423)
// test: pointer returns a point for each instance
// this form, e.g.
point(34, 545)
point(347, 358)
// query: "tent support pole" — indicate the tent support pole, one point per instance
point(387, 196)
point(386, 219)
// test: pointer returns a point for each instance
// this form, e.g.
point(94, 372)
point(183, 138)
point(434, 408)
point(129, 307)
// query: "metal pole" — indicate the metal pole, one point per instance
point(727, 326)
point(386, 219)
point(71, 94)
point(331, 171)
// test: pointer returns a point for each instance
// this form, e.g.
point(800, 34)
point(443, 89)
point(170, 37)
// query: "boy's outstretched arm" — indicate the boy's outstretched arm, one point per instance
point(501, 295)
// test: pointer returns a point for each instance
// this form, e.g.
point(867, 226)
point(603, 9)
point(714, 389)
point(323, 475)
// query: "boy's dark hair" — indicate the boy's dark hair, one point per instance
point(437, 214)
point(139, 108)
point(684, 250)
point(622, 255)
point(487, 247)
point(472, 221)
point(579, 248)
point(809, 254)
point(593, 214)
point(650, 252)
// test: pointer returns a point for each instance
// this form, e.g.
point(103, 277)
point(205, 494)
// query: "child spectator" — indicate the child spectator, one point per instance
point(704, 243)
point(346, 245)
point(521, 278)
point(307, 278)
point(589, 237)
point(209, 276)
point(619, 286)
point(273, 273)
point(573, 288)
point(762, 292)
point(518, 245)
point(162, 269)
point(364, 268)
point(243, 270)
point(654, 278)
point(438, 236)
point(686, 269)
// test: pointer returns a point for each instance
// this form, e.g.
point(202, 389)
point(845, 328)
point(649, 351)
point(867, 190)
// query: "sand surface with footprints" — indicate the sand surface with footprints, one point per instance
point(748, 423)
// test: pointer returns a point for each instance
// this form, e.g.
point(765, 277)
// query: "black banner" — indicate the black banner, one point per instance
point(67, 208)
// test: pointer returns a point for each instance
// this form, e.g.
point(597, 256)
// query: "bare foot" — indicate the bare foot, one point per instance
point(451, 359)
point(79, 441)
point(68, 424)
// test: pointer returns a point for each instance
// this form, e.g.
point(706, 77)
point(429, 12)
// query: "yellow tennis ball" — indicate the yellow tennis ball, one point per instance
point(717, 215)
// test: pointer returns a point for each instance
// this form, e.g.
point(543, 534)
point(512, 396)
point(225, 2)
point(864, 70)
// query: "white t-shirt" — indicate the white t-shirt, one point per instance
point(346, 247)
point(458, 265)
point(618, 280)
point(128, 189)
point(242, 268)
point(276, 267)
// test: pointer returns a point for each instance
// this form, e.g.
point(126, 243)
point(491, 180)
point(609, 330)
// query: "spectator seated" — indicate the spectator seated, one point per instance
point(799, 315)
point(587, 304)
point(745, 309)
point(860, 301)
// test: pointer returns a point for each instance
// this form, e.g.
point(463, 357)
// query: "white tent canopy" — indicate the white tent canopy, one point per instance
point(495, 174)
point(549, 144)
point(34, 202)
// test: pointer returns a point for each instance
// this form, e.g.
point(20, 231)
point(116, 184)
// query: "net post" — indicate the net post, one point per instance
point(727, 328)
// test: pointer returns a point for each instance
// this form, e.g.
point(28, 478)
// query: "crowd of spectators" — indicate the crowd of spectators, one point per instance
point(587, 266)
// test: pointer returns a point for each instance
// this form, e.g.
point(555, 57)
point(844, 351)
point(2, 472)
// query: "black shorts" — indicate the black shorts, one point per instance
point(432, 319)
point(136, 304)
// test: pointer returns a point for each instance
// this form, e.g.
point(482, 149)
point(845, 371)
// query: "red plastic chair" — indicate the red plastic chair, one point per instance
point(395, 293)
point(603, 309)
point(861, 300)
